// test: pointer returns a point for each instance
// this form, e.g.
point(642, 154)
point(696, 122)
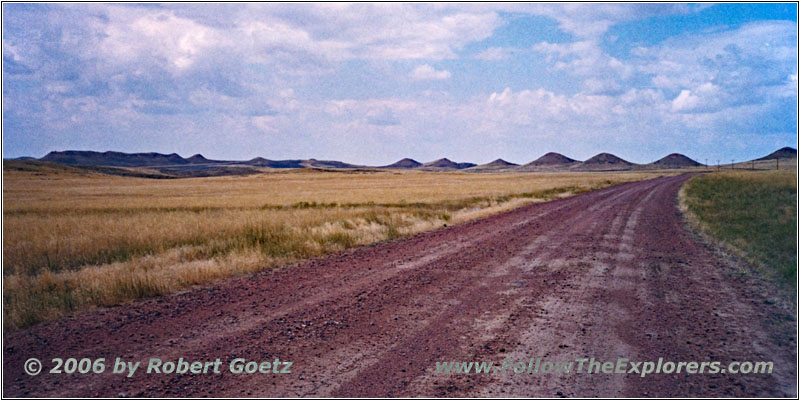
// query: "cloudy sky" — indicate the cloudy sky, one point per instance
point(372, 83)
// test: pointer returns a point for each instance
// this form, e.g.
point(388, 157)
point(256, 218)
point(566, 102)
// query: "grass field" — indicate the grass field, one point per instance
point(74, 239)
point(752, 213)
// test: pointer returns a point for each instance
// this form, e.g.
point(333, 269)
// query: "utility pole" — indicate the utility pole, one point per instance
point(732, 168)
point(717, 164)
point(753, 164)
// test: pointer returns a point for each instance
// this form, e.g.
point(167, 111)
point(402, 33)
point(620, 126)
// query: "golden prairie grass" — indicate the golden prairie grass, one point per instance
point(72, 241)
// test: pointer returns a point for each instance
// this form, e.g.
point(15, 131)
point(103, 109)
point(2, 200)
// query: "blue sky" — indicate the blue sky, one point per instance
point(372, 83)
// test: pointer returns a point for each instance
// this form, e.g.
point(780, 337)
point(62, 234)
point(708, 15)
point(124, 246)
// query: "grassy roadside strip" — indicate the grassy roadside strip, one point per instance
point(751, 214)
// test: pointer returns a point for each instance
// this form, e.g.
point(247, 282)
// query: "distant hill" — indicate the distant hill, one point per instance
point(496, 165)
point(604, 162)
point(404, 163)
point(116, 159)
point(159, 165)
point(119, 159)
point(199, 159)
point(551, 159)
point(782, 153)
point(499, 163)
point(441, 163)
point(675, 160)
point(606, 159)
point(446, 163)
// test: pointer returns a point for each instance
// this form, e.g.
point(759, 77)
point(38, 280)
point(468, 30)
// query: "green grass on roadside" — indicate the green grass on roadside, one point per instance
point(752, 212)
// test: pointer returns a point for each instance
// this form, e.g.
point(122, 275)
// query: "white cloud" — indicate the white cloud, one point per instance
point(598, 86)
point(496, 53)
point(383, 31)
point(705, 98)
point(583, 58)
point(266, 124)
point(755, 54)
point(727, 74)
point(724, 82)
point(293, 39)
point(427, 72)
point(685, 101)
point(175, 41)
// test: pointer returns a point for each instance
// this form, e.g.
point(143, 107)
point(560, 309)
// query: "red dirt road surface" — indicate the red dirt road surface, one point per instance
point(609, 274)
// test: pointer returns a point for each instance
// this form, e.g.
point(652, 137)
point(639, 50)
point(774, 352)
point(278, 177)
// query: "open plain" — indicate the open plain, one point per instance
point(606, 274)
point(75, 239)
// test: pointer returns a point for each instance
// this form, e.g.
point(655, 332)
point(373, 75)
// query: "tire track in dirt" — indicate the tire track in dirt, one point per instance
point(442, 337)
point(528, 329)
point(609, 273)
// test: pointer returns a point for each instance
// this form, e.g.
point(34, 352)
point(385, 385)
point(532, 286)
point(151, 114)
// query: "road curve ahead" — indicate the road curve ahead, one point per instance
point(609, 274)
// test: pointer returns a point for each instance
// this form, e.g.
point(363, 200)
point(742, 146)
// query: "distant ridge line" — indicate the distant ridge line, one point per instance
point(550, 161)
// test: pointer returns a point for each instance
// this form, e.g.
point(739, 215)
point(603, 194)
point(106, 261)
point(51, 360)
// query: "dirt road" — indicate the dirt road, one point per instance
point(608, 274)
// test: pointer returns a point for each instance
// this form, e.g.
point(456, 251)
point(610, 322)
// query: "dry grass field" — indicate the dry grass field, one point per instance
point(73, 240)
